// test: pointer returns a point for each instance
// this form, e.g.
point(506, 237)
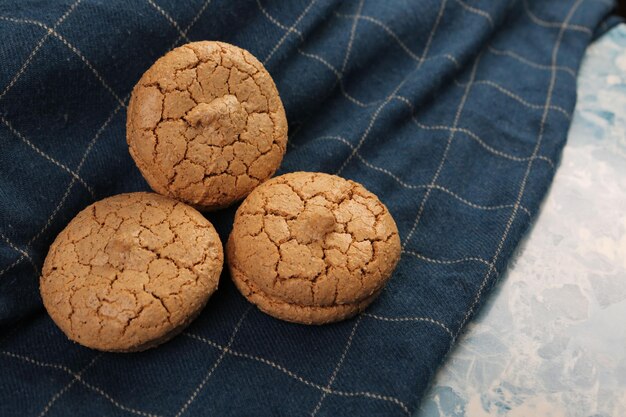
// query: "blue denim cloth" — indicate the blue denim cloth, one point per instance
point(453, 111)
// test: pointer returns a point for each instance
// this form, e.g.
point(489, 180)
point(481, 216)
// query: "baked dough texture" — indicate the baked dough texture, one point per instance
point(131, 271)
point(312, 248)
point(205, 124)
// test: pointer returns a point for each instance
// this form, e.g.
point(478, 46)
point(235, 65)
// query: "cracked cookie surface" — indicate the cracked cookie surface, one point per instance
point(312, 248)
point(131, 271)
point(206, 125)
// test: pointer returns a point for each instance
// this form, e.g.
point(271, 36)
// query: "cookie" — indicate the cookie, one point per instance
point(312, 248)
point(131, 271)
point(205, 124)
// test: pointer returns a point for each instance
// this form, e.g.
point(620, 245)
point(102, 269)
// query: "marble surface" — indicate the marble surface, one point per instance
point(551, 341)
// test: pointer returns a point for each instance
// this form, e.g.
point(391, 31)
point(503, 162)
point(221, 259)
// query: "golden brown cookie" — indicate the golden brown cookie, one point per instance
point(131, 271)
point(205, 124)
point(312, 248)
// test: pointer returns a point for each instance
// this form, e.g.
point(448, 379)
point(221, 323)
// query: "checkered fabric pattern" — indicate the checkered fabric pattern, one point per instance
point(453, 111)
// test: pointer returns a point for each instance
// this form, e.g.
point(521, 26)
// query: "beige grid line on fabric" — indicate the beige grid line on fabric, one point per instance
point(286, 34)
point(446, 261)
point(366, 394)
point(346, 57)
point(522, 187)
point(70, 46)
point(276, 22)
point(401, 44)
point(419, 60)
point(476, 11)
point(78, 378)
point(36, 49)
point(355, 23)
point(455, 124)
point(318, 58)
point(492, 49)
point(395, 91)
point(60, 393)
point(469, 203)
point(556, 25)
point(20, 251)
point(44, 155)
point(407, 319)
point(191, 24)
point(383, 26)
point(418, 186)
point(530, 63)
point(298, 377)
point(517, 98)
point(473, 136)
point(12, 265)
point(202, 383)
point(169, 18)
point(338, 366)
point(339, 76)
